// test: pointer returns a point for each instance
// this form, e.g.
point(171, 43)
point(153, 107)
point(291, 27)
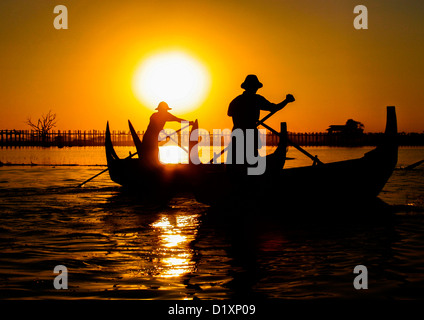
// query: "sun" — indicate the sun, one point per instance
point(174, 77)
point(172, 154)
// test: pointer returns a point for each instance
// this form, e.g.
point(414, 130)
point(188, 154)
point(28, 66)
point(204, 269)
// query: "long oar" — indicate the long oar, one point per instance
point(294, 144)
point(175, 133)
point(130, 156)
point(266, 117)
point(216, 156)
point(261, 122)
point(177, 141)
point(414, 165)
point(98, 174)
point(81, 184)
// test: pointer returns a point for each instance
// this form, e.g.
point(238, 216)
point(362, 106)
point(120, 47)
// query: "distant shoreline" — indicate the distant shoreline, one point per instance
point(9, 164)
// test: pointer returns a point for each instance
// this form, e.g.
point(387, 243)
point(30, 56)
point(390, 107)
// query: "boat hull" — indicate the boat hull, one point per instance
point(352, 181)
point(343, 182)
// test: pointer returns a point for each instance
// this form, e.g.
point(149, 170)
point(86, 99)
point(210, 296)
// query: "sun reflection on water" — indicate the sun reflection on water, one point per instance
point(173, 240)
point(175, 255)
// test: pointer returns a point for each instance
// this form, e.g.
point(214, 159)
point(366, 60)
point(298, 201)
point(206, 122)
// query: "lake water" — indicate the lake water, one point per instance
point(115, 247)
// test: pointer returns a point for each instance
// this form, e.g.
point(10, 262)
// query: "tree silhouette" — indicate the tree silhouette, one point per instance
point(44, 124)
point(353, 126)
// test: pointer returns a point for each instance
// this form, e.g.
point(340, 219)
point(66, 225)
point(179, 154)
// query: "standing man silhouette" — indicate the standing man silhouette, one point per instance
point(246, 108)
point(150, 145)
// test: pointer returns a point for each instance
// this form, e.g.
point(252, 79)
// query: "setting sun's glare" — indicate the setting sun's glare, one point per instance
point(172, 154)
point(174, 77)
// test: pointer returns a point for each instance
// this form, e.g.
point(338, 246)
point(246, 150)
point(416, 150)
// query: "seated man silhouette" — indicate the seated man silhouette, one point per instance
point(150, 143)
point(245, 111)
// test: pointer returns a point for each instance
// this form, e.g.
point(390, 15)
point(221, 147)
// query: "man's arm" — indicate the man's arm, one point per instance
point(269, 106)
point(171, 117)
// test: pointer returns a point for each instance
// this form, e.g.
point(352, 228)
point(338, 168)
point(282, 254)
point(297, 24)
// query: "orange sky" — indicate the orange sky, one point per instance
point(305, 47)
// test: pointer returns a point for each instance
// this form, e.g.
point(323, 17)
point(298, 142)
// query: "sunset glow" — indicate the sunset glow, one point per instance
point(120, 62)
point(173, 77)
point(172, 154)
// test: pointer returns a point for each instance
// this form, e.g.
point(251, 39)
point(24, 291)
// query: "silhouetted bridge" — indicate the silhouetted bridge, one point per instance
point(123, 138)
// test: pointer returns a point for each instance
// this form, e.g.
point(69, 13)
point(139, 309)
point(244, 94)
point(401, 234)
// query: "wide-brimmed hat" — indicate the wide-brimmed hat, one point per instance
point(163, 106)
point(251, 81)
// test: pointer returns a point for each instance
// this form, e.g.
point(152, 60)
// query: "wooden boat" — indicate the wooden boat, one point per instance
point(345, 182)
point(155, 180)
